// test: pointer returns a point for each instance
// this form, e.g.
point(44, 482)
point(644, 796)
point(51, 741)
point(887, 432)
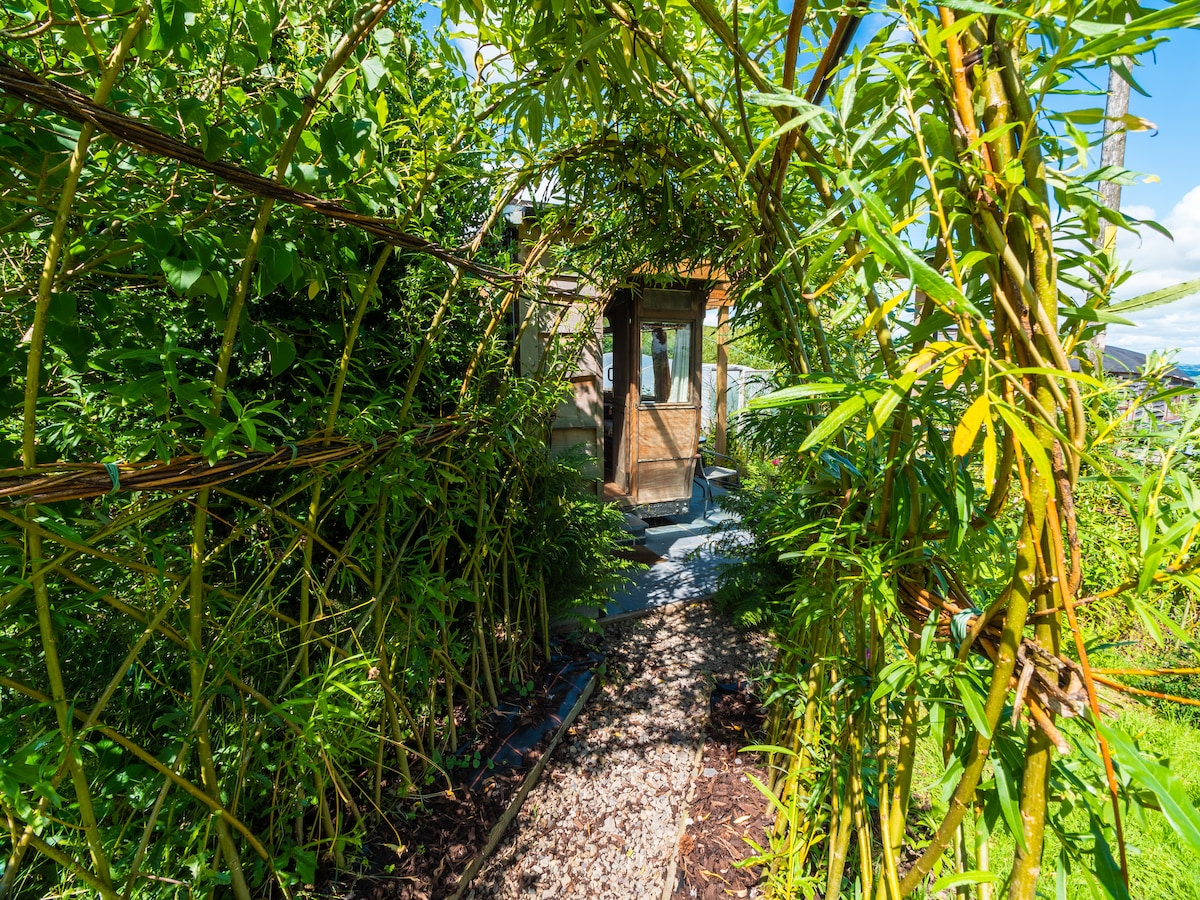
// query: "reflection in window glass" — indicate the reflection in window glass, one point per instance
point(666, 362)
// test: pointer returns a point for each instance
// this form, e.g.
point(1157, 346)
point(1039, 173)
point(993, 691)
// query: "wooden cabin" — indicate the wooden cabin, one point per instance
point(653, 339)
point(635, 406)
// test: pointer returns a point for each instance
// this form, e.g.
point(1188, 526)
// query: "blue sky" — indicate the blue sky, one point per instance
point(1172, 79)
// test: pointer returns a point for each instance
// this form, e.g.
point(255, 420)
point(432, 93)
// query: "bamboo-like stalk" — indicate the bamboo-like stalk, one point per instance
point(840, 848)
point(62, 100)
point(437, 324)
point(197, 606)
point(533, 259)
point(1024, 575)
point(33, 377)
point(888, 880)
point(857, 802)
point(366, 21)
point(64, 861)
point(152, 761)
point(905, 757)
point(151, 823)
point(311, 523)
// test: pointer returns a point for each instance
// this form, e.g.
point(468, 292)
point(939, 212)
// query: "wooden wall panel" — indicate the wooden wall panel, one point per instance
point(667, 432)
point(585, 408)
point(585, 439)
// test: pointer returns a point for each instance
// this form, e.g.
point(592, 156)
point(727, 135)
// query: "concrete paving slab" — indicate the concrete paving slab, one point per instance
point(691, 561)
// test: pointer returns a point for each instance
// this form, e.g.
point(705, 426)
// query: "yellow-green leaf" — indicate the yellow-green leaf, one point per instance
point(989, 457)
point(834, 422)
point(1030, 444)
point(953, 369)
point(968, 426)
point(888, 402)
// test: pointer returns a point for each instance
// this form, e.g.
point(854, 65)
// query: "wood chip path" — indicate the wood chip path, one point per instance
point(604, 821)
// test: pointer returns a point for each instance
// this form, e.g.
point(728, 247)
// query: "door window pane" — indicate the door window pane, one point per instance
point(666, 362)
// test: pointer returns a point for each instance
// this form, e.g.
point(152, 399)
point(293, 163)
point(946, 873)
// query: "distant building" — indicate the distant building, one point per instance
point(744, 384)
point(1129, 365)
point(1139, 396)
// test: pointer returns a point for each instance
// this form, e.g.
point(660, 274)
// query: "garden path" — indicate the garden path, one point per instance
point(605, 820)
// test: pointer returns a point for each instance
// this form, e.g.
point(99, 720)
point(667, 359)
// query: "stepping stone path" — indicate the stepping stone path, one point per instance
point(604, 822)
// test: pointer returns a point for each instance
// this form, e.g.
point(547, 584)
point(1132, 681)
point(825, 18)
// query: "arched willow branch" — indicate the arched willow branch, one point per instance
point(72, 105)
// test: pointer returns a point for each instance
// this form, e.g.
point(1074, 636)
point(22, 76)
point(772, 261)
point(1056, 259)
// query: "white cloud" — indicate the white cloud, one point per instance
point(1159, 262)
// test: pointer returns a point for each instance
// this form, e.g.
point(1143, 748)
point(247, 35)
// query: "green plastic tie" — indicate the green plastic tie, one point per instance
point(115, 474)
point(295, 450)
point(961, 623)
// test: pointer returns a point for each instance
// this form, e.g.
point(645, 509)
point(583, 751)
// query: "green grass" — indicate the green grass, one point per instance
point(1161, 867)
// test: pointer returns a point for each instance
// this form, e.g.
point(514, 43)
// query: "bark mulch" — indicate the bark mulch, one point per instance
point(727, 810)
point(602, 821)
point(433, 841)
point(426, 842)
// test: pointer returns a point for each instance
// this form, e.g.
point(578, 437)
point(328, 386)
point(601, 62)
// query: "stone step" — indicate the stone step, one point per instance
point(635, 527)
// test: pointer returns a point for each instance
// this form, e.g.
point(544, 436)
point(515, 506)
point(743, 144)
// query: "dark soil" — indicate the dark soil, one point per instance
point(424, 844)
point(434, 840)
point(727, 810)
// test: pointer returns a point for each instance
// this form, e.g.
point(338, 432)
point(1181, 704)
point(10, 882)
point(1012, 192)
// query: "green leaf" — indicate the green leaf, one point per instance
point(900, 257)
point(1107, 871)
point(887, 404)
point(181, 273)
point(276, 263)
point(170, 24)
point(1030, 444)
point(806, 113)
point(1087, 314)
point(373, 72)
point(973, 705)
point(1010, 801)
point(834, 422)
point(971, 876)
point(987, 9)
point(1161, 297)
point(796, 394)
point(261, 29)
point(64, 308)
point(1170, 791)
point(1062, 870)
point(894, 678)
point(282, 351)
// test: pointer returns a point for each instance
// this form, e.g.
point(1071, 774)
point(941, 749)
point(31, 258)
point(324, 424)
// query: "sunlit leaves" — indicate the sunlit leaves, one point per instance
point(1158, 778)
point(181, 274)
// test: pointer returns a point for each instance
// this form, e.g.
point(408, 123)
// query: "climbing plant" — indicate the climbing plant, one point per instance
point(277, 496)
point(278, 519)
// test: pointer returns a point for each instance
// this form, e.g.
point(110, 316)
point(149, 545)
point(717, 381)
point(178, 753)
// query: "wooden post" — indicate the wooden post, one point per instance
point(1112, 154)
point(722, 423)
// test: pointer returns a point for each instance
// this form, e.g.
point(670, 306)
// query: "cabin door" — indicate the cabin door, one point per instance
point(665, 388)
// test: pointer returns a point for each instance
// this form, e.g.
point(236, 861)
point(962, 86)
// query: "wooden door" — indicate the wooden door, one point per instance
point(666, 384)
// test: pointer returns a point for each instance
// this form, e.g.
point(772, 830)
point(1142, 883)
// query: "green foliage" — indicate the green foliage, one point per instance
point(196, 683)
point(253, 668)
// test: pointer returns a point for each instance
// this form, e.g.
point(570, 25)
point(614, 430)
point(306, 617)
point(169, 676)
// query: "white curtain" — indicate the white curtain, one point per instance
point(681, 364)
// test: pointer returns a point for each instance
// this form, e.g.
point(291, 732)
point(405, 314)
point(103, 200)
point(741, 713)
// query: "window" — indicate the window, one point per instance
point(666, 365)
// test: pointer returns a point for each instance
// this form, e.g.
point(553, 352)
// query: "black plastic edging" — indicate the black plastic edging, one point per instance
point(497, 832)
